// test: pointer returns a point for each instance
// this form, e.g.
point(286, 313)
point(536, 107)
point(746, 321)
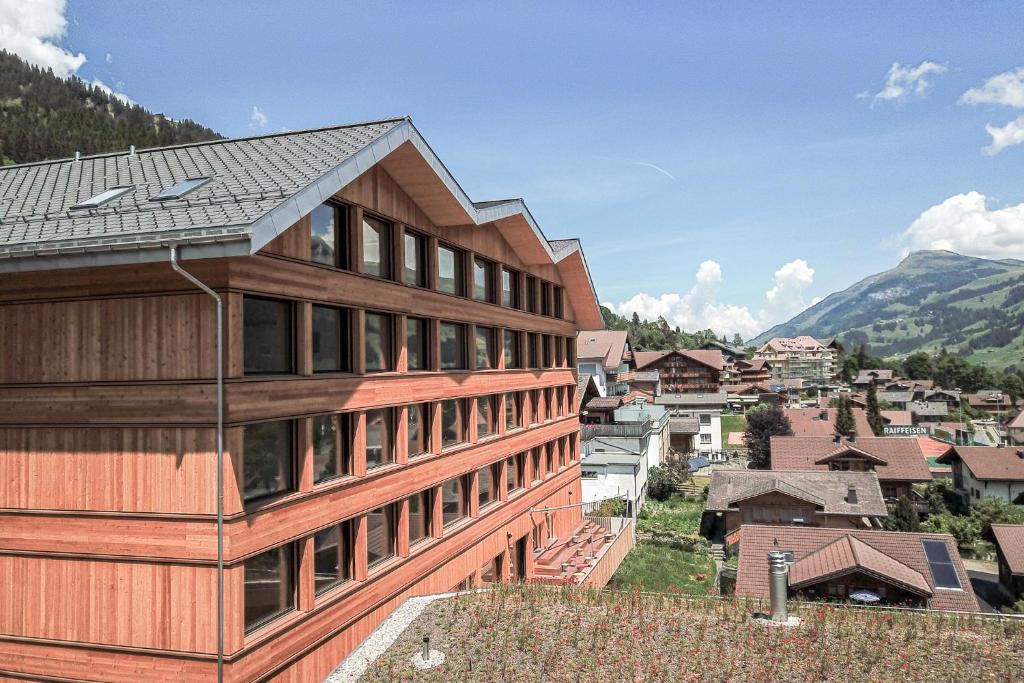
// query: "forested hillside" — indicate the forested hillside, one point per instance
point(46, 117)
point(658, 335)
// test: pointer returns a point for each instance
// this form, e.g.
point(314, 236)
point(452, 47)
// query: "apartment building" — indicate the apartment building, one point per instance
point(397, 401)
point(802, 357)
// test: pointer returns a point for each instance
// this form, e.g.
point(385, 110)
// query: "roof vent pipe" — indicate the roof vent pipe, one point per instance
point(78, 155)
point(131, 150)
point(836, 438)
point(778, 585)
point(852, 438)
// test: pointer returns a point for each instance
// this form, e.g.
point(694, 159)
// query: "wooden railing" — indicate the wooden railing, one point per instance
point(611, 556)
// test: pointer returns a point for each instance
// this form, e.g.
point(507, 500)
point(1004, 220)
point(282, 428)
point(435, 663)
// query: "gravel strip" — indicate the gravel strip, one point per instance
point(382, 638)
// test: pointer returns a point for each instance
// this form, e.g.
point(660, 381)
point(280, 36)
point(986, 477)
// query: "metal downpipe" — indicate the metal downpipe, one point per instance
point(220, 455)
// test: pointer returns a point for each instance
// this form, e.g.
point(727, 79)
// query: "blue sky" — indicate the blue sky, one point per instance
point(710, 157)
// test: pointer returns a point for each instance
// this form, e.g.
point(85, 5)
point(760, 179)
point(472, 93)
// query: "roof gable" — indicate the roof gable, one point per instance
point(849, 554)
point(903, 458)
point(987, 463)
point(847, 451)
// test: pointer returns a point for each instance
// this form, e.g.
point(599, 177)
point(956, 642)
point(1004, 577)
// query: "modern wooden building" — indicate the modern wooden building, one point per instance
point(397, 416)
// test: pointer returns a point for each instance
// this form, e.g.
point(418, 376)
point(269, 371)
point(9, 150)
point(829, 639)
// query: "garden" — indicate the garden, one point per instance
point(534, 633)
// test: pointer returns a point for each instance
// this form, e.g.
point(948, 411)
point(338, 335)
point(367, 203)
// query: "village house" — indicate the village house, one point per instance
point(847, 500)
point(866, 378)
point(399, 379)
point(608, 356)
point(802, 357)
point(990, 401)
point(695, 422)
point(1009, 541)
point(898, 461)
point(983, 471)
point(683, 371)
point(896, 568)
point(1015, 429)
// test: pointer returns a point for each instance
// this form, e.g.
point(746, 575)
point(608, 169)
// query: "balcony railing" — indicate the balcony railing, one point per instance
point(640, 430)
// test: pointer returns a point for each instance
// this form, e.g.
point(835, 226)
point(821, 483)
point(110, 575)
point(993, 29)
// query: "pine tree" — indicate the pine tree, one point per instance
point(845, 424)
point(874, 412)
point(764, 422)
point(904, 517)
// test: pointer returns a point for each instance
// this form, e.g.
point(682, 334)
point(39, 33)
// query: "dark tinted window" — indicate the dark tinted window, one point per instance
point(329, 235)
point(486, 424)
point(450, 274)
point(512, 411)
point(269, 585)
point(376, 247)
point(267, 337)
point(414, 267)
point(453, 422)
point(531, 294)
point(419, 517)
point(419, 429)
point(454, 500)
point(332, 556)
point(513, 359)
point(267, 461)
point(485, 348)
point(330, 339)
point(487, 485)
point(378, 343)
point(416, 344)
point(381, 533)
point(453, 346)
point(331, 456)
point(380, 444)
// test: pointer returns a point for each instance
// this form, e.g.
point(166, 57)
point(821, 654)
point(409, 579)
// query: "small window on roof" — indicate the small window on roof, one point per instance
point(181, 189)
point(104, 197)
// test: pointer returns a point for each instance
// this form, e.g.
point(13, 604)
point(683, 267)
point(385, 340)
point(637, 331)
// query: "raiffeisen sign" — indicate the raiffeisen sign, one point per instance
point(903, 430)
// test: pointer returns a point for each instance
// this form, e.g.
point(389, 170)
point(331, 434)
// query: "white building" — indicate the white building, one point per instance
point(695, 422)
point(614, 466)
point(608, 357)
point(983, 471)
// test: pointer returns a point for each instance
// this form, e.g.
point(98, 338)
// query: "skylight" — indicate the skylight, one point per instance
point(181, 189)
point(941, 564)
point(104, 197)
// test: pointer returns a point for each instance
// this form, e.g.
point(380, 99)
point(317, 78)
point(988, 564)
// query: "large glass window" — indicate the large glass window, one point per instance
point(513, 358)
point(332, 556)
point(548, 348)
point(545, 298)
point(513, 411)
point(514, 472)
point(486, 416)
point(380, 443)
point(559, 306)
point(267, 336)
point(453, 422)
point(450, 274)
point(381, 533)
point(376, 247)
point(414, 267)
point(267, 459)
point(531, 294)
point(379, 350)
point(419, 429)
point(453, 346)
point(419, 517)
point(454, 500)
point(331, 452)
point(534, 406)
point(269, 585)
point(485, 359)
point(509, 288)
point(487, 485)
point(483, 280)
point(416, 337)
point(330, 339)
point(533, 344)
point(329, 235)
point(535, 459)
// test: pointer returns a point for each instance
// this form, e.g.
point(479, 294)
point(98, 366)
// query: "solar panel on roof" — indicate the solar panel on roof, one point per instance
point(104, 197)
point(941, 564)
point(179, 190)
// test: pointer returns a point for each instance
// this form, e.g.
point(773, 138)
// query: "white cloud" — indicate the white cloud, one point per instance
point(31, 30)
point(257, 120)
point(964, 224)
point(700, 309)
point(1004, 136)
point(97, 83)
point(108, 58)
point(1006, 89)
point(903, 81)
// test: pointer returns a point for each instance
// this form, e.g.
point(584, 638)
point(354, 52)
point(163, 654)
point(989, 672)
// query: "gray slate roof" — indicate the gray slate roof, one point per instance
point(929, 408)
point(728, 486)
point(251, 176)
point(683, 425)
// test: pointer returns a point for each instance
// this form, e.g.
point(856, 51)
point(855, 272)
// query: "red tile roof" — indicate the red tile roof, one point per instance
point(608, 346)
point(808, 422)
point(848, 554)
point(904, 460)
point(933, 448)
point(645, 358)
point(1018, 421)
point(897, 417)
point(891, 554)
point(712, 359)
point(985, 462)
point(1010, 539)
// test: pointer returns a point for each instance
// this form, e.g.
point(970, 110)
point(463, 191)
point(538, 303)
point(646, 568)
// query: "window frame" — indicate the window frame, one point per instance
point(342, 442)
point(459, 266)
point(422, 243)
point(513, 399)
point(387, 344)
point(489, 350)
point(426, 498)
point(291, 564)
point(342, 236)
point(344, 350)
point(513, 353)
point(424, 344)
point(487, 267)
point(465, 491)
point(290, 460)
point(289, 307)
point(388, 441)
point(346, 534)
point(386, 241)
point(461, 342)
point(390, 512)
point(491, 401)
point(494, 475)
point(461, 424)
point(512, 301)
point(426, 413)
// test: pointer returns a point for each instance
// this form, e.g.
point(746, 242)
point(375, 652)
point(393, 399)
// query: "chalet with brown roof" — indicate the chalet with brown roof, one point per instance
point(845, 500)
point(990, 401)
point(608, 356)
point(866, 378)
point(983, 471)
point(754, 370)
point(898, 461)
point(684, 371)
point(1009, 540)
point(908, 569)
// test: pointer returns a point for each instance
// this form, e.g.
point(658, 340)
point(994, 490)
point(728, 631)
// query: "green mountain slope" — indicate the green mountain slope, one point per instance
point(973, 307)
point(45, 117)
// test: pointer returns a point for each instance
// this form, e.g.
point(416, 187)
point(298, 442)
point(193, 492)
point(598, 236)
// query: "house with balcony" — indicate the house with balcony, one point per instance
point(835, 565)
point(846, 500)
point(983, 471)
point(607, 356)
point(803, 357)
point(695, 422)
point(899, 462)
point(877, 377)
point(684, 371)
point(291, 380)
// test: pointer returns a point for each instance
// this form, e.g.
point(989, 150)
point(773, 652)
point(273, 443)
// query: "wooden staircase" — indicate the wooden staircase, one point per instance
point(566, 563)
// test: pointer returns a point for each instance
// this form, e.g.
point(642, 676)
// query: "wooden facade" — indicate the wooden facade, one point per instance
point(107, 452)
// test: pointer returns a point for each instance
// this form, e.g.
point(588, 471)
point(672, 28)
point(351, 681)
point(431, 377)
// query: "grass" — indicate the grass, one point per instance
point(677, 515)
point(732, 423)
point(664, 568)
point(532, 633)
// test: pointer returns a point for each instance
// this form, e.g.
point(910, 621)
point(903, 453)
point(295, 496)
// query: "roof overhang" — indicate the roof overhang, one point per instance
point(849, 451)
